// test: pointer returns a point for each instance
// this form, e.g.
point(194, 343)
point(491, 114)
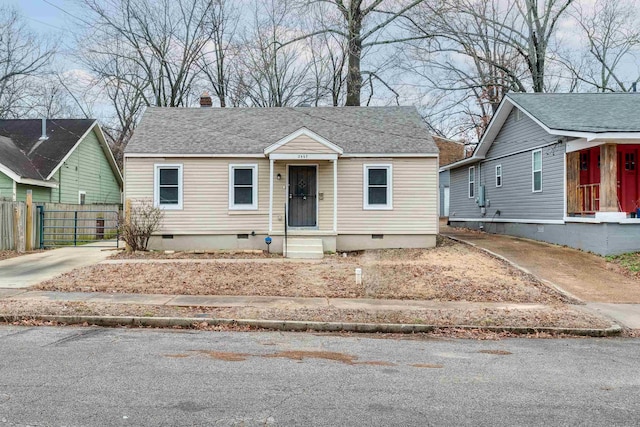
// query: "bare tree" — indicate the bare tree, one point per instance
point(163, 38)
point(23, 55)
point(223, 21)
point(274, 72)
point(612, 39)
point(362, 25)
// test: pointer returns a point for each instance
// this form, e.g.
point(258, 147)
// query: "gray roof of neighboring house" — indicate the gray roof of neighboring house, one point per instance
point(374, 130)
point(583, 112)
point(24, 153)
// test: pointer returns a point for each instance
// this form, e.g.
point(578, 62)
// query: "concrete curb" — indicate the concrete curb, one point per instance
point(519, 267)
point(300, 326)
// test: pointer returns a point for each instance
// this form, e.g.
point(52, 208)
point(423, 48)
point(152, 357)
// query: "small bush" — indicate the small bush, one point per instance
point(144, 220)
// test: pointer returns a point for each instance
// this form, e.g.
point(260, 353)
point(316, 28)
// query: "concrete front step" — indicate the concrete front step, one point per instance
point(304, 248)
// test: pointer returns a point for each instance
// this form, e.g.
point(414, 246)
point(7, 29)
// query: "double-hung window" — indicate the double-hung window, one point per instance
point(167, 191)
point(498, 175)
point(536, 171)
point(472, 182)
point(243, 187)
point(378, 191)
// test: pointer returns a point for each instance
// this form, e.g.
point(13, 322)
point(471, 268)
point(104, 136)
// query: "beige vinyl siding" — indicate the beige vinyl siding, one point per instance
point(325, 186)
point(205, 195)
point(415, 194)
point(304, 145)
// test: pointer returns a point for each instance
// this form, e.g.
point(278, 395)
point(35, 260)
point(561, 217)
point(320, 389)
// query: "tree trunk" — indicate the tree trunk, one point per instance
point(354, 75)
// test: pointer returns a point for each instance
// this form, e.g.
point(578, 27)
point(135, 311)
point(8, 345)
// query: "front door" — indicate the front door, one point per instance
point(302, 196)
point(627, 178)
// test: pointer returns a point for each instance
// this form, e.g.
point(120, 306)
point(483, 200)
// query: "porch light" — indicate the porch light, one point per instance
point(278, 177)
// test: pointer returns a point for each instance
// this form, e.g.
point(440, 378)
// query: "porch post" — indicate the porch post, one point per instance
point(573, 181)
point(608, 178)
point(271, 195)
point(335, 195)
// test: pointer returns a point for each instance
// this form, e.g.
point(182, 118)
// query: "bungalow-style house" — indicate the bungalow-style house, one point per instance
point(561, 168)
point(329, 178)
point(450, 151)
point(59, 160)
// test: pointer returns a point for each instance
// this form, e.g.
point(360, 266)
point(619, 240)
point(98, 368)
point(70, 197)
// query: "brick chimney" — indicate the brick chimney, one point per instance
point(205, 100)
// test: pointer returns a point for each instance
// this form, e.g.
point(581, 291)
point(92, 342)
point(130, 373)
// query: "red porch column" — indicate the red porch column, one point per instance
point(608, 178)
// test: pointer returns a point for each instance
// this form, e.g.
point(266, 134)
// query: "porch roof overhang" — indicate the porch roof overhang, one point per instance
point(584, 143)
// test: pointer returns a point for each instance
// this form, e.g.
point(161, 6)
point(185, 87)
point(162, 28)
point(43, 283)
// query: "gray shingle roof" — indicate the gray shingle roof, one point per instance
point(22, 151)
point(583, 112)
point(373, 130)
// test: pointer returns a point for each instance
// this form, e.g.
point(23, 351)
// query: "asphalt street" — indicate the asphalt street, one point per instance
point(141, 377)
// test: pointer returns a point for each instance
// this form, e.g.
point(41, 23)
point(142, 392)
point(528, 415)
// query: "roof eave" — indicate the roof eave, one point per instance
point(469, 160)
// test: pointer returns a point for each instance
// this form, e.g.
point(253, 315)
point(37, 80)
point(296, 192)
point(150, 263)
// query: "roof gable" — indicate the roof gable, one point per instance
point(450, 151)
point(306, 140)
point(582, 112)
point(27, 155)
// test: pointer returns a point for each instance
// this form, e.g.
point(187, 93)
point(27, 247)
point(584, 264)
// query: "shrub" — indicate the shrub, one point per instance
point(138, 226)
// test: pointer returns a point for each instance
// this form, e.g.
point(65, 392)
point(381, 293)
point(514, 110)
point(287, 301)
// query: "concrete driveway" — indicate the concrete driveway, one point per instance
point(580, 274)
point(24, 271)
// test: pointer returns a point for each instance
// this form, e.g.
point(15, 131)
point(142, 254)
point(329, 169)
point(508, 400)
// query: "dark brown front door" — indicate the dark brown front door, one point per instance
point(302, 196)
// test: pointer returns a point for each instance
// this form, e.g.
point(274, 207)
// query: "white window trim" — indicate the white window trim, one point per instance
point(533, 171)
point(365, 187)
point(80, 193)
point(156, 186)
point(498, 175)
point(254, 183)
point(471, 181)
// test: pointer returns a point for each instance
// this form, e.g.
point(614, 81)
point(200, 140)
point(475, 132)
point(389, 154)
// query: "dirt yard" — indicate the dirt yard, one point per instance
point(449, 272)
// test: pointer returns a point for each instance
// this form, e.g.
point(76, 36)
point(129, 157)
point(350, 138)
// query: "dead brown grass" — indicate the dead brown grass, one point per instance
point(245, 254)
point(552, 316)
point(13, 254)
point(449, 272)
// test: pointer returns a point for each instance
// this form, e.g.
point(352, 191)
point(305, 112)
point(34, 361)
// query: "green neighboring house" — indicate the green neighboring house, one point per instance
point(59, 160)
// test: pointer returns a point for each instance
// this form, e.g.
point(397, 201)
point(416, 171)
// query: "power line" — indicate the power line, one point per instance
point(66, 12)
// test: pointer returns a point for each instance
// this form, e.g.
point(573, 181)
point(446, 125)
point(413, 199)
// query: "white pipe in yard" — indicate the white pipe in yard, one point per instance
point(358, 276)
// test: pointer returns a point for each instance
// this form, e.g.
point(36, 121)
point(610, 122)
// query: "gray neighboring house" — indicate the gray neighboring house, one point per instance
point(331, 178)
point(560, 168)
point(450, 151)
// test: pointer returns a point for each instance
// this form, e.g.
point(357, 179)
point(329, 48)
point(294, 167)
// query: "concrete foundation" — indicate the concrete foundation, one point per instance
point(600, 238)
point(331, 242)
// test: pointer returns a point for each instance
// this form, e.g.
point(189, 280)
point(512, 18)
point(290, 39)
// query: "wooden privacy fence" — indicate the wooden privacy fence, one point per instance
point(25, 226)
point(13, 227)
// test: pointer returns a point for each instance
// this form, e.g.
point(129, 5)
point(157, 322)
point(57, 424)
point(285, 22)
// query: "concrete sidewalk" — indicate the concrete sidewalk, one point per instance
point(254, 301)
point(26, 270)
point(580, 274)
